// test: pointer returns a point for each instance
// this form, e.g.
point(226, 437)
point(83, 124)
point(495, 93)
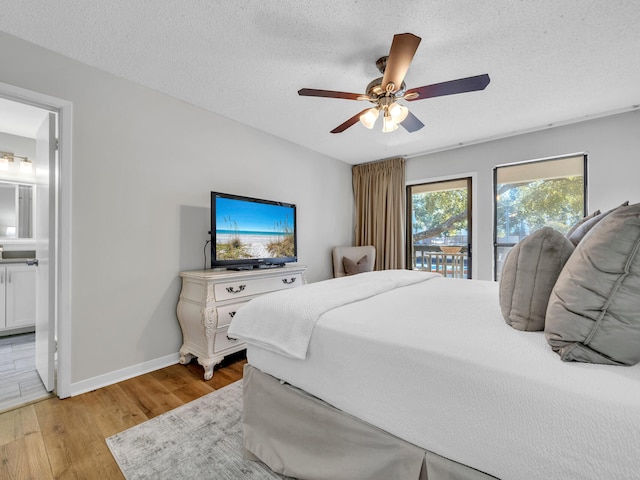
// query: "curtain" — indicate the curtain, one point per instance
point(379, 190)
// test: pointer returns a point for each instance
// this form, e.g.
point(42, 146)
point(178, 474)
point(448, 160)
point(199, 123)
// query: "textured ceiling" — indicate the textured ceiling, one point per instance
point(549, 61)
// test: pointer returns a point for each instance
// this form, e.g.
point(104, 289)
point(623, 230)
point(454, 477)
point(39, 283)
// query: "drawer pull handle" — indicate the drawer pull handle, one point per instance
point(238, 290)
point(232, 314)
point(289, 282)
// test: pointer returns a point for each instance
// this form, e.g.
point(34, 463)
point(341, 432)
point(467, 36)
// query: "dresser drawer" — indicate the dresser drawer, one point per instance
point(256, 286)
point(227, 312)
point(222, 342)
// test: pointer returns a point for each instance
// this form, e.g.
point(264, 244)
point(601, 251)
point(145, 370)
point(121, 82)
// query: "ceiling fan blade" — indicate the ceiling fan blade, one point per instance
point(412, 123)
point(468, 84)
point(311, 92)
point(352, 121)
point(403, 48)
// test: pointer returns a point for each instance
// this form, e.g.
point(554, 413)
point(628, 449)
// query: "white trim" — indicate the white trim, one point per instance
point(64, 109)
point(123, 374)
point(525, 131)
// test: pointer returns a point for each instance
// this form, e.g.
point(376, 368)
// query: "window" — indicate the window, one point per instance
point(531, 195)
point(439, 227)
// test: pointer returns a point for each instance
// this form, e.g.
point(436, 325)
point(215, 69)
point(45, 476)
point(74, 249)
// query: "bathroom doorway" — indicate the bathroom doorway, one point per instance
point(28, 110)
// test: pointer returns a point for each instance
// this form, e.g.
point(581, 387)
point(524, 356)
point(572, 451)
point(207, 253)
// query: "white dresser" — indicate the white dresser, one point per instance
point(210, 298)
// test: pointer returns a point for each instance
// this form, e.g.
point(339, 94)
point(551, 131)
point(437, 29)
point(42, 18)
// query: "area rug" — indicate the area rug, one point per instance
point(199, 440)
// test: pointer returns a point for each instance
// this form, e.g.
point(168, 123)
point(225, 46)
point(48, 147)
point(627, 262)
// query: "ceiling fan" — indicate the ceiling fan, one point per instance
point(384, 92)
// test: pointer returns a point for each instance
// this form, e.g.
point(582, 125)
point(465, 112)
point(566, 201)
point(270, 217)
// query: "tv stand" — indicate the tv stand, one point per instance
point(210, 298)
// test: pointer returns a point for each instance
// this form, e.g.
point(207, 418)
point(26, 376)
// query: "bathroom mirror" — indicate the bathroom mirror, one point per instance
point(16, 211)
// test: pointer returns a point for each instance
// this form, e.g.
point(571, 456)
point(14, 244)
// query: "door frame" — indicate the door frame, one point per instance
point(472, 201)
point(62, 227)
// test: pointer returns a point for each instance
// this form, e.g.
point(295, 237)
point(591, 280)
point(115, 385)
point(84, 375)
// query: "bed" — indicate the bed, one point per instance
point(403, 374)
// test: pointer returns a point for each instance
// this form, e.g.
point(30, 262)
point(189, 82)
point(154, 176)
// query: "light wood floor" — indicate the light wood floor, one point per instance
point(65, 439)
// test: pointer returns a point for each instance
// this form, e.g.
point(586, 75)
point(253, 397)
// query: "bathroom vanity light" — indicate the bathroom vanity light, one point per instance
point(26, 165)
point(6, 158)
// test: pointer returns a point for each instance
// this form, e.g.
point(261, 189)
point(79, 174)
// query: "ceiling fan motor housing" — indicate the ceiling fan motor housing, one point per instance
point(374, 90)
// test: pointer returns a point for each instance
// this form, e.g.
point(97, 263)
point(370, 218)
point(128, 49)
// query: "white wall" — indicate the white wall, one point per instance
point(612, 144)
point(22, 146)
point(143, 168)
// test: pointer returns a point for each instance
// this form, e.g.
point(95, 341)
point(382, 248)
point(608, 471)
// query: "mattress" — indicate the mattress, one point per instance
point(435, 364)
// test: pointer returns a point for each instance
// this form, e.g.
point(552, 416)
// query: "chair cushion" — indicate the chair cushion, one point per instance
point(594, 310)
point(528, 276)
point(352, 267)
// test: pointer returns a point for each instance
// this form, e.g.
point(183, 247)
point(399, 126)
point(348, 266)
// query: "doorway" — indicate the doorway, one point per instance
point(21, 177)
point(439, 227)
point(57, 239)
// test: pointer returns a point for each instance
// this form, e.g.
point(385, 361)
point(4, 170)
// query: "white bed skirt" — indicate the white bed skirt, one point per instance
point(301, 436)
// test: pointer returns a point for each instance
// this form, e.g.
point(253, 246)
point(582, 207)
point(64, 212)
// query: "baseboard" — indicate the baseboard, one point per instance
point(123, 374)
point(17, 330)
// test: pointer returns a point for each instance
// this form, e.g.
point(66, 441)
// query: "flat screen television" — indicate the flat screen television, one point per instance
point(251, 233)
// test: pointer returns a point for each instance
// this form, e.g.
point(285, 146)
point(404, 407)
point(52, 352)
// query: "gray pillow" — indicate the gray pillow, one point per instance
point(578, 233)
point(583, 220)
point(528, 276)
point(351, 267)
point(594, 309)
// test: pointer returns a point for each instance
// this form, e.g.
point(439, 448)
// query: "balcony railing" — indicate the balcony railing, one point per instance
point(447, 264)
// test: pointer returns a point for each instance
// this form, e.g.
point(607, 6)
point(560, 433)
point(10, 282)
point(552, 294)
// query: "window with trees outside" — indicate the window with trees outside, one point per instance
point(529, 196)
point(439, 227)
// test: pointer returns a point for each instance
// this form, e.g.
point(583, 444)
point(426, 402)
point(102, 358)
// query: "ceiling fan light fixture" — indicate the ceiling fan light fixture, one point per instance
point(368, 118)
point(389, 125)
point(398, 112)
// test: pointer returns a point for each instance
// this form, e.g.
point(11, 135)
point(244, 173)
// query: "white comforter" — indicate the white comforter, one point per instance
point(435, 363)
point(283, 321)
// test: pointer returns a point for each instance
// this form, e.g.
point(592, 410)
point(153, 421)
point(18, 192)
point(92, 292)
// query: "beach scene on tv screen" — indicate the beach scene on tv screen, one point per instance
point(246, 230)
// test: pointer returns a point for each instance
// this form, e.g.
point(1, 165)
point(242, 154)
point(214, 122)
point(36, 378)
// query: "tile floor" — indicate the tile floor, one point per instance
point(19, 381)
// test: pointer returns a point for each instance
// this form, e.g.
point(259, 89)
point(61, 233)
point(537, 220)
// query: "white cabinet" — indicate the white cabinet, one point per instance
point(17, 297)
point(208, 301)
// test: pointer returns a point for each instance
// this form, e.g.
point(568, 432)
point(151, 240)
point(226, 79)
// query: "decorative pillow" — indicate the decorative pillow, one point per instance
point(594, 309)
point(579, 232)
point(528, 276)
point(583, 220)
point(351, 267)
